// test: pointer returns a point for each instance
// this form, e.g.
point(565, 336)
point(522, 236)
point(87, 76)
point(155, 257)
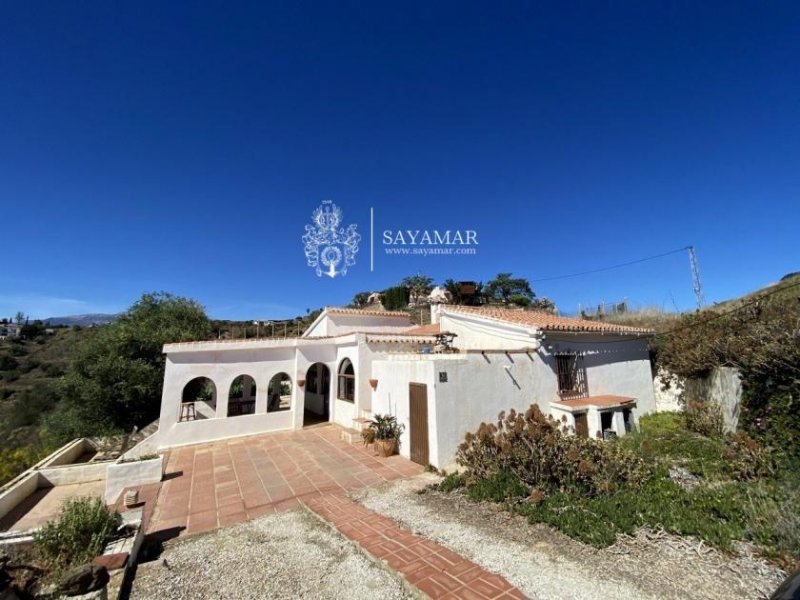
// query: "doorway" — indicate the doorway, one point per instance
point(418, 411)
point(581, 425)
point(317, 395)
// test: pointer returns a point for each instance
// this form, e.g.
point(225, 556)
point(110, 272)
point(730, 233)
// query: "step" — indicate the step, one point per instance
point(361, 423)
point(350, 435)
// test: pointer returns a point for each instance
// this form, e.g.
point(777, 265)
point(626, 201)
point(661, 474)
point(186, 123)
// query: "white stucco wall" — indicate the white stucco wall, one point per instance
point(481, 385)
point(473, 332)
point(19, 489)
point(392, 395)
point(668, 388)
point(331, 324)
point(516, 370)
point(222, 362)
point(619, 368)
point(130, 474)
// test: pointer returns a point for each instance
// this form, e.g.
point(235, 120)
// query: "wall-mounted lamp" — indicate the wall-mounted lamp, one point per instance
point(301, 382)
point(373, 383)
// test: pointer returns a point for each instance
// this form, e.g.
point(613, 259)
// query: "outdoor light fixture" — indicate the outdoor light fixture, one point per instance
point(373, 383)
point(301, 382)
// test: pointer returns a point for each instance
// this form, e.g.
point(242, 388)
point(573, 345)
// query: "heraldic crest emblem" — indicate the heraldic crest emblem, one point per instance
point(329, 248)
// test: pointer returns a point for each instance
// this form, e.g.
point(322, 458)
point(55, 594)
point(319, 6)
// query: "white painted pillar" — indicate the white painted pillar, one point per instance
point(223, 391)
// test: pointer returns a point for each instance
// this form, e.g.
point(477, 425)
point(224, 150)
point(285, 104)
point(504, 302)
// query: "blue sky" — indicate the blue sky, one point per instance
point(158, 146)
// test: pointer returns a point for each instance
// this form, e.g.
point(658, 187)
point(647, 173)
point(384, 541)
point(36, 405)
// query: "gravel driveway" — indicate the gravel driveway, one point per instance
point(545, 564)
point(285, 555)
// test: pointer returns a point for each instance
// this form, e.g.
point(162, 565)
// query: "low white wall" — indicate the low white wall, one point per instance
point(68, 453)
point(392, 396)
point(17, 492)
point(69, 474)
point(129, 474)
point(478, 388)
point(210, 430)
point(344, 411)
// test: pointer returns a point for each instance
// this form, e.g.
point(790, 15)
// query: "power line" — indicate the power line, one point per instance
point(620, 265)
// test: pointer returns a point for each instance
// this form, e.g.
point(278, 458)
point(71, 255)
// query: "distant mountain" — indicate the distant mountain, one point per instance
point(82, 320)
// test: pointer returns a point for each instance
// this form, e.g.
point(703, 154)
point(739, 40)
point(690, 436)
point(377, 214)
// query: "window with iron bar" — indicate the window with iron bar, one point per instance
point(571, 376)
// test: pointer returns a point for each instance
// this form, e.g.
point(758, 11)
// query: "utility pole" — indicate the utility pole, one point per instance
point(698, 287)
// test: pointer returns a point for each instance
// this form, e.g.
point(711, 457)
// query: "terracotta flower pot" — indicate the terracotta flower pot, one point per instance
point(386, 448)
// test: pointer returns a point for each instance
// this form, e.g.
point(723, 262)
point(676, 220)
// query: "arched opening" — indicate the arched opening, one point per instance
point(198, 400)
point(317, 394)
point(242, 396)
point(346, 385)
point(279, 394)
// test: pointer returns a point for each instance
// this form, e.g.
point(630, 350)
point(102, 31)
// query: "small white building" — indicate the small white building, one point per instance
point(351, 364)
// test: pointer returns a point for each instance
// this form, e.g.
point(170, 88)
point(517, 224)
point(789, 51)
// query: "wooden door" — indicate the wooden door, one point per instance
point(418, 411)
point(582, 425)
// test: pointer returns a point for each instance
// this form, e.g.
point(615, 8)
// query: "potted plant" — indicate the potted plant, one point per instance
point(387, 434)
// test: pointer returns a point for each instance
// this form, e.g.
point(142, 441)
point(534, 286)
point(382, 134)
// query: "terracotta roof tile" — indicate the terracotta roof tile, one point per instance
point(543, 320)
point(429, 329)
point(336, 310)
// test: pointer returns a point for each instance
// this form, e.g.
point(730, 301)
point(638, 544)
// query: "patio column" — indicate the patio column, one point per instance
point(223, 392)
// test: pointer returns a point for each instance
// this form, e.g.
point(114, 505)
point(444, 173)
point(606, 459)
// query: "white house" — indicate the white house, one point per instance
point(351, 364)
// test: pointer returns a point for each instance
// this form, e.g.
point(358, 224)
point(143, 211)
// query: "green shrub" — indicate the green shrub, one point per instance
point(386, 427)
point(83, 527)
point(498, 487)
point(704, 418)
point(14, 461)
point(716, 516)
point(535, 449)
point(452, 481)
point(8, 363)
point(774, 520)
point(30, 404)
point(747, 459)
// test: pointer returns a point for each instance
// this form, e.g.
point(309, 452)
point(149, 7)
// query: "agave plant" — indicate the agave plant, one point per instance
point(386, 427)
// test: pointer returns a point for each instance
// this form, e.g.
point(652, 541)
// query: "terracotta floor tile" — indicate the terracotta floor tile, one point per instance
point(232, 519)
point(465, 593)
point(481, 586)
point(432, 588)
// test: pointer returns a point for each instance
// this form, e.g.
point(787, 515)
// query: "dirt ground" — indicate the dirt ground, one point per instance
point(544, 563)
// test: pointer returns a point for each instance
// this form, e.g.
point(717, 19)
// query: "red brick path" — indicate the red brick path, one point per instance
point(432, 568)
point(217, 485)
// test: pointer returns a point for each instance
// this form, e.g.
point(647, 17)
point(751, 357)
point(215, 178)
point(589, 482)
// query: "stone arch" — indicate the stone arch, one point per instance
point(242, 396)
point(346, 381)
point(316, 399)
point(279, 393)
point(198, 399)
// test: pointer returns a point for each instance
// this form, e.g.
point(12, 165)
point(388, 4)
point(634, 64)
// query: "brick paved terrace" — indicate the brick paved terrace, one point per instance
point(216, 485)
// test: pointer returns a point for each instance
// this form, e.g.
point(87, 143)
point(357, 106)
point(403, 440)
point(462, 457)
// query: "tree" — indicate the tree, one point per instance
point(543, 304)
point(395, 298)
point(20, 318)
point(360, 299)
point(507, 289)
point(418, 285)
point(452, 286)
point(114, 381)
point(33, 330)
